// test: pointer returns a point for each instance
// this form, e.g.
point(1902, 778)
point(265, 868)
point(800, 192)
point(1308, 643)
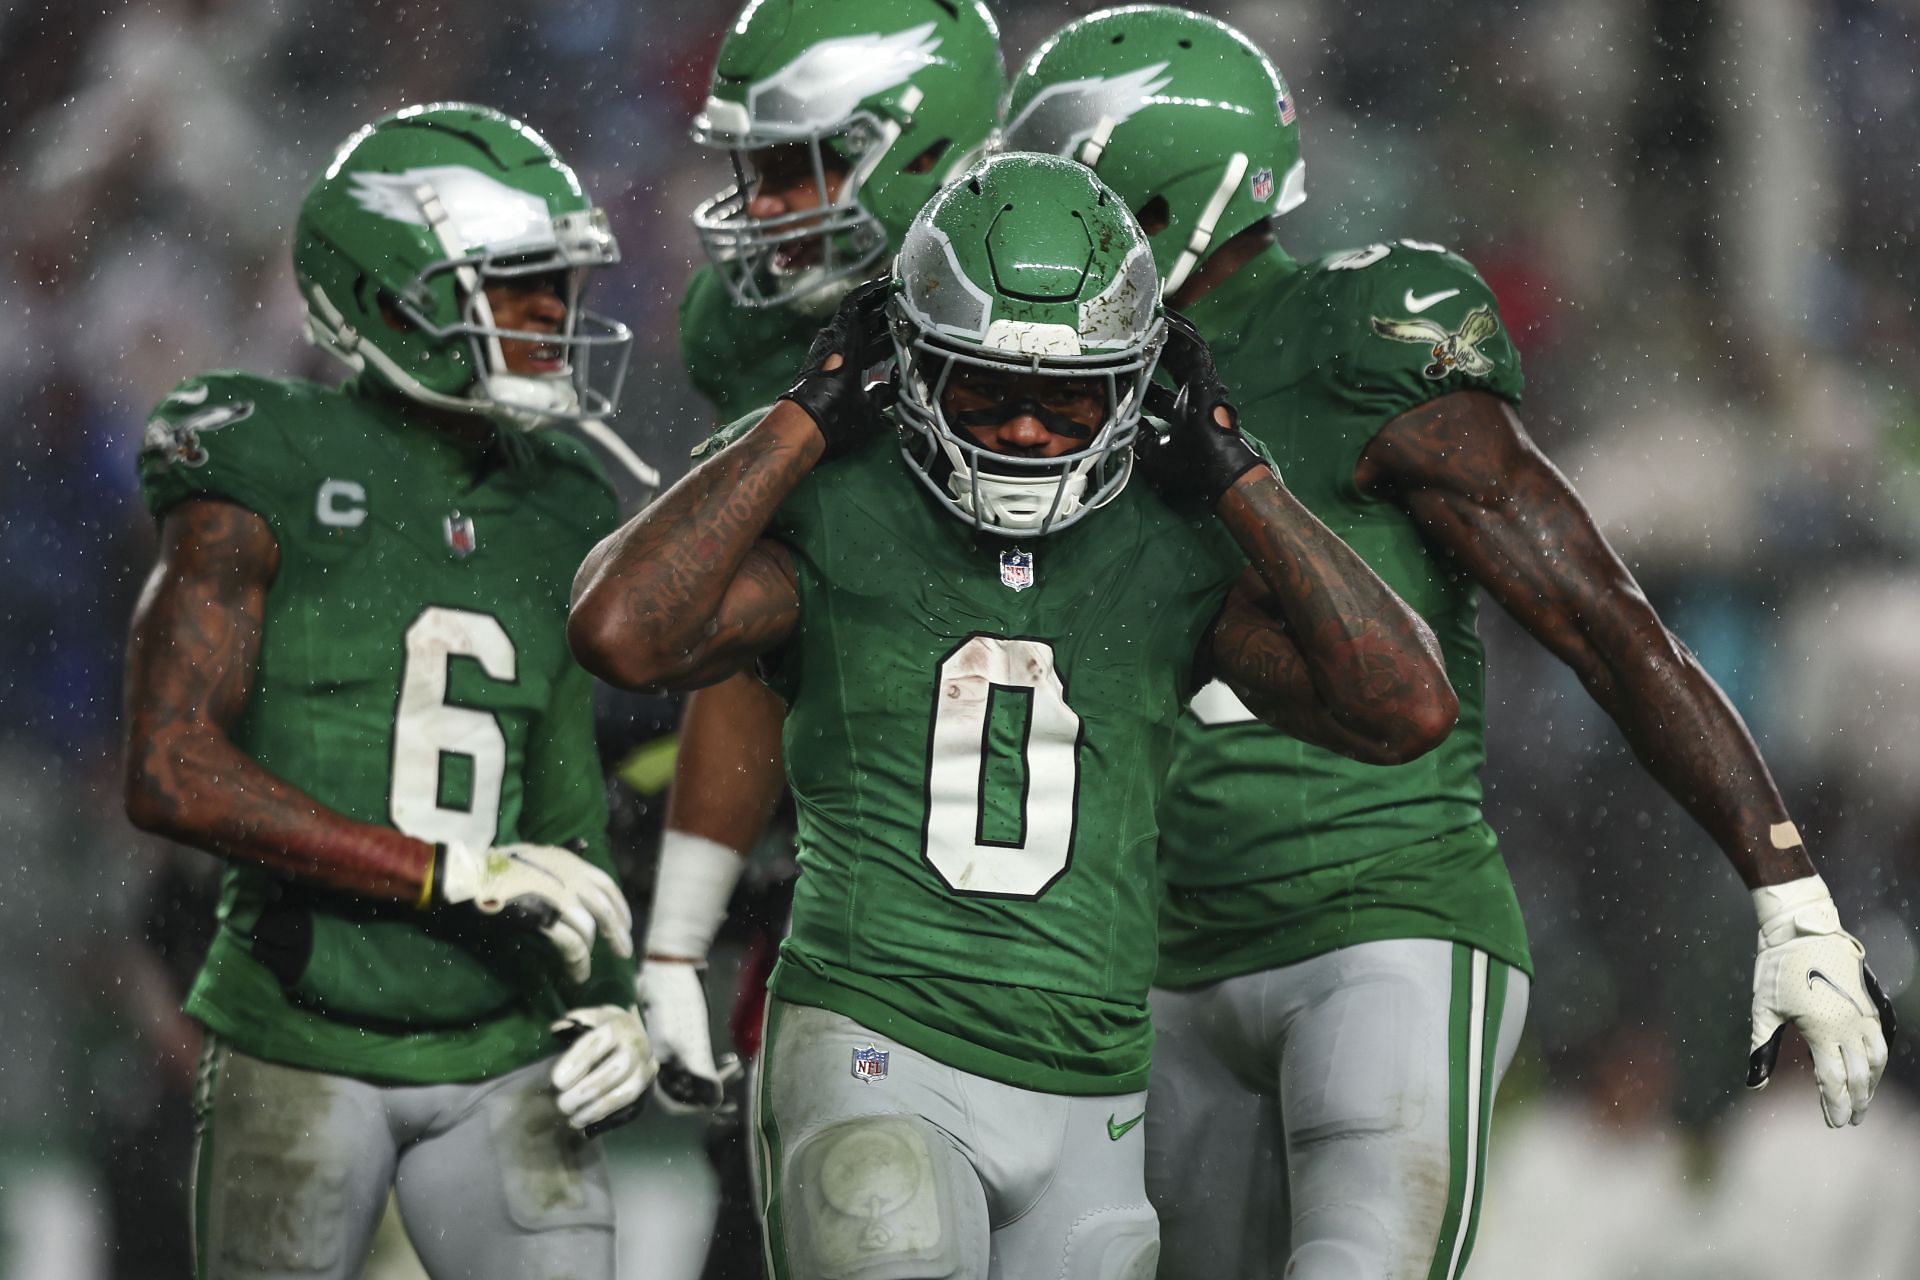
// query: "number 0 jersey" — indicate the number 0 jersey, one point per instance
point(413, 672)
point(1273, 850)
point(975, 735)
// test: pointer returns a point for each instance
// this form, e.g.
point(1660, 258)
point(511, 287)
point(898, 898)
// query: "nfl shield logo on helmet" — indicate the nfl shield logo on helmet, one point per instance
point(870, 1065)
point(1285, 103)
point(1263, 186)
point(1016, 569)
point(460, 535)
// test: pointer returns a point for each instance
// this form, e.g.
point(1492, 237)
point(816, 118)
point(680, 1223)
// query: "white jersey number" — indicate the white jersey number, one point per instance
point(427, 729)
point(1018, 675)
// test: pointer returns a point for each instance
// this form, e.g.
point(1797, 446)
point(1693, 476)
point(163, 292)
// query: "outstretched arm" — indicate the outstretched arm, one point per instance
point(190, 670)
point(1466, 470)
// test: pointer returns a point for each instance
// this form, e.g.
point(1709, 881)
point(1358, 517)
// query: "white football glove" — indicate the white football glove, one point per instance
point(1812, 973)
point(606, 1068)
point(695, 881)
point(675, 999)
point(554, 890)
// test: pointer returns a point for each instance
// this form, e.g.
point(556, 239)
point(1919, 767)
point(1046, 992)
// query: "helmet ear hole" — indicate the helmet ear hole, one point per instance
point(927, 159)
point(1154, 216)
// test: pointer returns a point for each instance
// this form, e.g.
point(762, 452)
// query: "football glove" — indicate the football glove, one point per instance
point(691, 891)
point(691, 1080)
point(1197, 456)
point(1813, 974)
point(535, 886)
point(606, 1069)
point(837, 399)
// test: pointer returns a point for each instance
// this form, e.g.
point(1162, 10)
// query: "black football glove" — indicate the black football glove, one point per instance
point(1197, 457)
point(837, 399)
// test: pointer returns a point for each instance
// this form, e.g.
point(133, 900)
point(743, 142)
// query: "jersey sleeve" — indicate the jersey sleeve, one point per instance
point(222, 436)
point(1423, 324)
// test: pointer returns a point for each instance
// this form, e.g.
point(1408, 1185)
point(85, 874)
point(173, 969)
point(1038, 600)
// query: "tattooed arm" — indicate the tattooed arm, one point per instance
point(1467, 471)
point(190, 669)
point(1316, 645)
point(687, 592)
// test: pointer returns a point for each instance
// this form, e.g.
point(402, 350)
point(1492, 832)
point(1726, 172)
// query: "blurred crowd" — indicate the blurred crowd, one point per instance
point(1699, 220)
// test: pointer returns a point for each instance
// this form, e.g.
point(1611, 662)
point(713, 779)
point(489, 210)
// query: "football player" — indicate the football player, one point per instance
point(1344, 969)
point(840, 121)
point(348, 678)
point(984, 635)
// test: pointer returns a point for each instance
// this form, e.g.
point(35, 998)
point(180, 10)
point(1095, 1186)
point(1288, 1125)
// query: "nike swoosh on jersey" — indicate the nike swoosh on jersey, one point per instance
point(1815, 973)
point(1417, 305)
point(1119, 1131)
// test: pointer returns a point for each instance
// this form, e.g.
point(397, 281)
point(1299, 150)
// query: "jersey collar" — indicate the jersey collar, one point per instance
point(1220, 312)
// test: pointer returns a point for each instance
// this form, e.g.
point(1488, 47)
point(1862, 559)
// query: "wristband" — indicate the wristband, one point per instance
point(691, 890)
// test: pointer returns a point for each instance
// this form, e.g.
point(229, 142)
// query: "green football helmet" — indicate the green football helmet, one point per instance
point(1166, 106)
point(416, 214)
point(1027, 264)
point(902, 93)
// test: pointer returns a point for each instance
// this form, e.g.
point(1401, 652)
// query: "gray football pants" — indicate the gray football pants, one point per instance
point(928, 1173)
point(1328, 1120)
point(293, 1169)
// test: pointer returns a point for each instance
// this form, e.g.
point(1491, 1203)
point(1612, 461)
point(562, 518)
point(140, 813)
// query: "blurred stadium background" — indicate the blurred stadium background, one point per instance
point(1699, 219)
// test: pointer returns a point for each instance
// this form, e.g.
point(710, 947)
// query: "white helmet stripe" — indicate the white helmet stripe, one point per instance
point(1209, 218)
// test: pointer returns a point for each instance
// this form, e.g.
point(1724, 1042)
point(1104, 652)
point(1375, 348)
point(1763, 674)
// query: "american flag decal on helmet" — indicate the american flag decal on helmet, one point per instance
point(1285, 103)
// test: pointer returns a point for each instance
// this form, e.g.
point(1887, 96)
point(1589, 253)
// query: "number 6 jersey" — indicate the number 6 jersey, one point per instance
point(976, 733)
point(412, 672)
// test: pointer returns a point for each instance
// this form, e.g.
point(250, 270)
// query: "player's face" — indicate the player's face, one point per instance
point(785, 182)
point(534, 304)
point(1025, 415)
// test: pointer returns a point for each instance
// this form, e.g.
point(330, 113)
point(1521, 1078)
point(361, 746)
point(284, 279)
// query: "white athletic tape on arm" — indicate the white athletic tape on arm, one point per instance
point(690, 894)
point(1784, 835)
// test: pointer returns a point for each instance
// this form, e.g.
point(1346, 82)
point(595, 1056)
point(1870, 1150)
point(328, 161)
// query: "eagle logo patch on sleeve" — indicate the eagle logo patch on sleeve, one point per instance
point(179, 442)
point(1452, 350)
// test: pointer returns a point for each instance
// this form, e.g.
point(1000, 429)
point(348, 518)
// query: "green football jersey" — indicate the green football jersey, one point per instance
point(740, 357)
point(974, 735)
point(1273, 850)
point(413, 672)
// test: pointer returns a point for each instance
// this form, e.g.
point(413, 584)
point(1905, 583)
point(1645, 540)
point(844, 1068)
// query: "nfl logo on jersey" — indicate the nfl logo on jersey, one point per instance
point(870, 1064)
point(1016, 569)
point(460, 535)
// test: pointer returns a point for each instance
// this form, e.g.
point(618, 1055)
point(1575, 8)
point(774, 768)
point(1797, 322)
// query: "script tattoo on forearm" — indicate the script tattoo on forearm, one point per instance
point(1370, 660)
point(683, 593)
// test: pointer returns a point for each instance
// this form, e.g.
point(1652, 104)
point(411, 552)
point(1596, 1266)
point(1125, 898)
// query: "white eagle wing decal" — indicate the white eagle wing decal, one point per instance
point(485, 212)
point(1062, 116)
point(822, 86)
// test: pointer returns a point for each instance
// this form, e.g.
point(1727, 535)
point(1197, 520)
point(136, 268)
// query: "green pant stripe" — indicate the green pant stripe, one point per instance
point(1466, 1017)
point(773, 1238)
point(206, 1080)
point(1497, 975)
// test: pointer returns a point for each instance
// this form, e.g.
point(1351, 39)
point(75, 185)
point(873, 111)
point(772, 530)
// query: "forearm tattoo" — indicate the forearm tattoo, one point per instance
point(191, 661)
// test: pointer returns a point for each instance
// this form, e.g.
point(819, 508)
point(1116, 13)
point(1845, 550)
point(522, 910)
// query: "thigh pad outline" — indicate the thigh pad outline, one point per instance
point(1114, 1244)
point(884, 1198)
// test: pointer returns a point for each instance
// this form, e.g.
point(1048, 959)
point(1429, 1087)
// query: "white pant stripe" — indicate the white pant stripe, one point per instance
point(1476, 1048)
